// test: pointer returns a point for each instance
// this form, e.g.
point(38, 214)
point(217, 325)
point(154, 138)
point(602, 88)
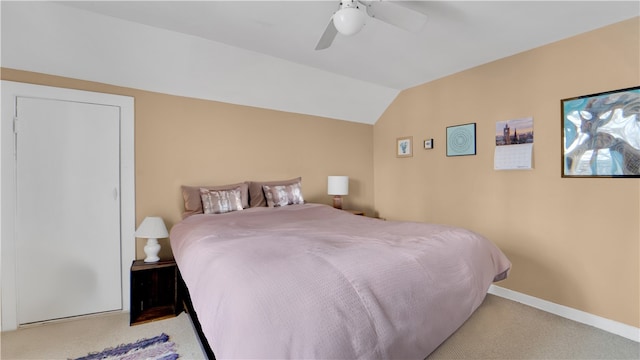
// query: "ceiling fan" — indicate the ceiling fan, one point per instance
point(350, 18)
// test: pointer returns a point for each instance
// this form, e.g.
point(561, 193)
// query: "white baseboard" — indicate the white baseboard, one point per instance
point(614, 327)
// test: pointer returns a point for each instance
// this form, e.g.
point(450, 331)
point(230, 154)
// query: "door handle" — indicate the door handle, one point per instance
point(115, 193)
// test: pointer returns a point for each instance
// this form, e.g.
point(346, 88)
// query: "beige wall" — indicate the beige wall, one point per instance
point(196, 142)
point(571, 241)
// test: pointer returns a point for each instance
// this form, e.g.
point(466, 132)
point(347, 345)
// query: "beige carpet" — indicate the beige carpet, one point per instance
point(499, 329)
point(504, 329)
point(75, 338)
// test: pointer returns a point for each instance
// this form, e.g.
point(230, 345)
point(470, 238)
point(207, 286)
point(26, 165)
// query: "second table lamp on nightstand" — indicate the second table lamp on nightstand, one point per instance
point(152, 229)
point(338, 186)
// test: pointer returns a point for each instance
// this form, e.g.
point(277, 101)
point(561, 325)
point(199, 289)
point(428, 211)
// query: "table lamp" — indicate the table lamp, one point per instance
point(338, 186)
point(152, 229)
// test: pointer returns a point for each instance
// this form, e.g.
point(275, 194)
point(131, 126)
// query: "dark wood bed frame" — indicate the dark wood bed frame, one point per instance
point(188, 306)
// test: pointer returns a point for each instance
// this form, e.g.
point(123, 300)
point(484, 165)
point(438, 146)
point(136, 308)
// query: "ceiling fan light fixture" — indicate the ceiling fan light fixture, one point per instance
point(348, 20)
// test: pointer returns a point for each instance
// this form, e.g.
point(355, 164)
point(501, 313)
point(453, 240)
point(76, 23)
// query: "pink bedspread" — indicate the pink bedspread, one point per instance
point(311, 282)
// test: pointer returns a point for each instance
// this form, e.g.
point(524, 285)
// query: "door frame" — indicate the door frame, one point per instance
point(11, 90)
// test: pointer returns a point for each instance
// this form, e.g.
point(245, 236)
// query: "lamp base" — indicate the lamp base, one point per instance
point(152, 249)
point(337, 202)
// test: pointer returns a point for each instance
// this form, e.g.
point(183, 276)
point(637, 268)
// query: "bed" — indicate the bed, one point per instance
point(308, 281)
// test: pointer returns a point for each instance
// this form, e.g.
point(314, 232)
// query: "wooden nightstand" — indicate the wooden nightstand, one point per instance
point(355, 212)
point(154, 291)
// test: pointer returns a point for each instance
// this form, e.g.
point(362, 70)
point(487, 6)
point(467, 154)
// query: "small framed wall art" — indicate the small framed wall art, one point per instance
point(461, 140)
point(601, 135)
point(404, 146)
point(428, 144)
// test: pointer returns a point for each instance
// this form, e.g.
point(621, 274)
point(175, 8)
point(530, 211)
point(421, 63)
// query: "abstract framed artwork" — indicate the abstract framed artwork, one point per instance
point(461, 140)
point(601, 134)
point(404, 146)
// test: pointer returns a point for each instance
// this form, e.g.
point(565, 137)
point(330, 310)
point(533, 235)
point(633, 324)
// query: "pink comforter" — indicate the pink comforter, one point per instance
point(311, 282)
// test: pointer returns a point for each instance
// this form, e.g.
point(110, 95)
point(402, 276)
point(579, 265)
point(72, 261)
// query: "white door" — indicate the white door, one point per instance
point(67, 209)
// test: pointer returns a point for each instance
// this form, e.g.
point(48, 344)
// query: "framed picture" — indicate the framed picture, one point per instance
point(404, 146)
point(428, 144)
point(461, 140)
point(601, 134)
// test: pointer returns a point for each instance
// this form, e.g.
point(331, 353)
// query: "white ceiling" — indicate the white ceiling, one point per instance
point(458, 35)
point(379, 61)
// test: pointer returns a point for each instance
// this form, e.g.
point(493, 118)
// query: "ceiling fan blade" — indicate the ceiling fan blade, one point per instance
point(396, 15)
point(327, 37)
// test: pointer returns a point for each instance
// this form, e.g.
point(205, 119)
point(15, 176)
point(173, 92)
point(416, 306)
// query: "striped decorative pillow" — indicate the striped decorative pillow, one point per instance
point(221, 201)
point(283, 195)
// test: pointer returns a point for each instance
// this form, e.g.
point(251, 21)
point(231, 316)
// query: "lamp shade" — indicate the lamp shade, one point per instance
point(348, 20)
point(152, 227)
point(338, 185)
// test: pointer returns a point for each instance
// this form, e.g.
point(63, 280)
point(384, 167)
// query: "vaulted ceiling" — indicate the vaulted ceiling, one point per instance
point(262, 53)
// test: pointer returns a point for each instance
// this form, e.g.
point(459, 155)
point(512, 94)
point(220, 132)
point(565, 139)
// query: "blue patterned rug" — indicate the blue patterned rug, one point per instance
point(157, 348)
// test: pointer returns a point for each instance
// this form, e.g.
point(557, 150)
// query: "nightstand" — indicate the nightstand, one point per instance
point(154, 291)
point(355, 212)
